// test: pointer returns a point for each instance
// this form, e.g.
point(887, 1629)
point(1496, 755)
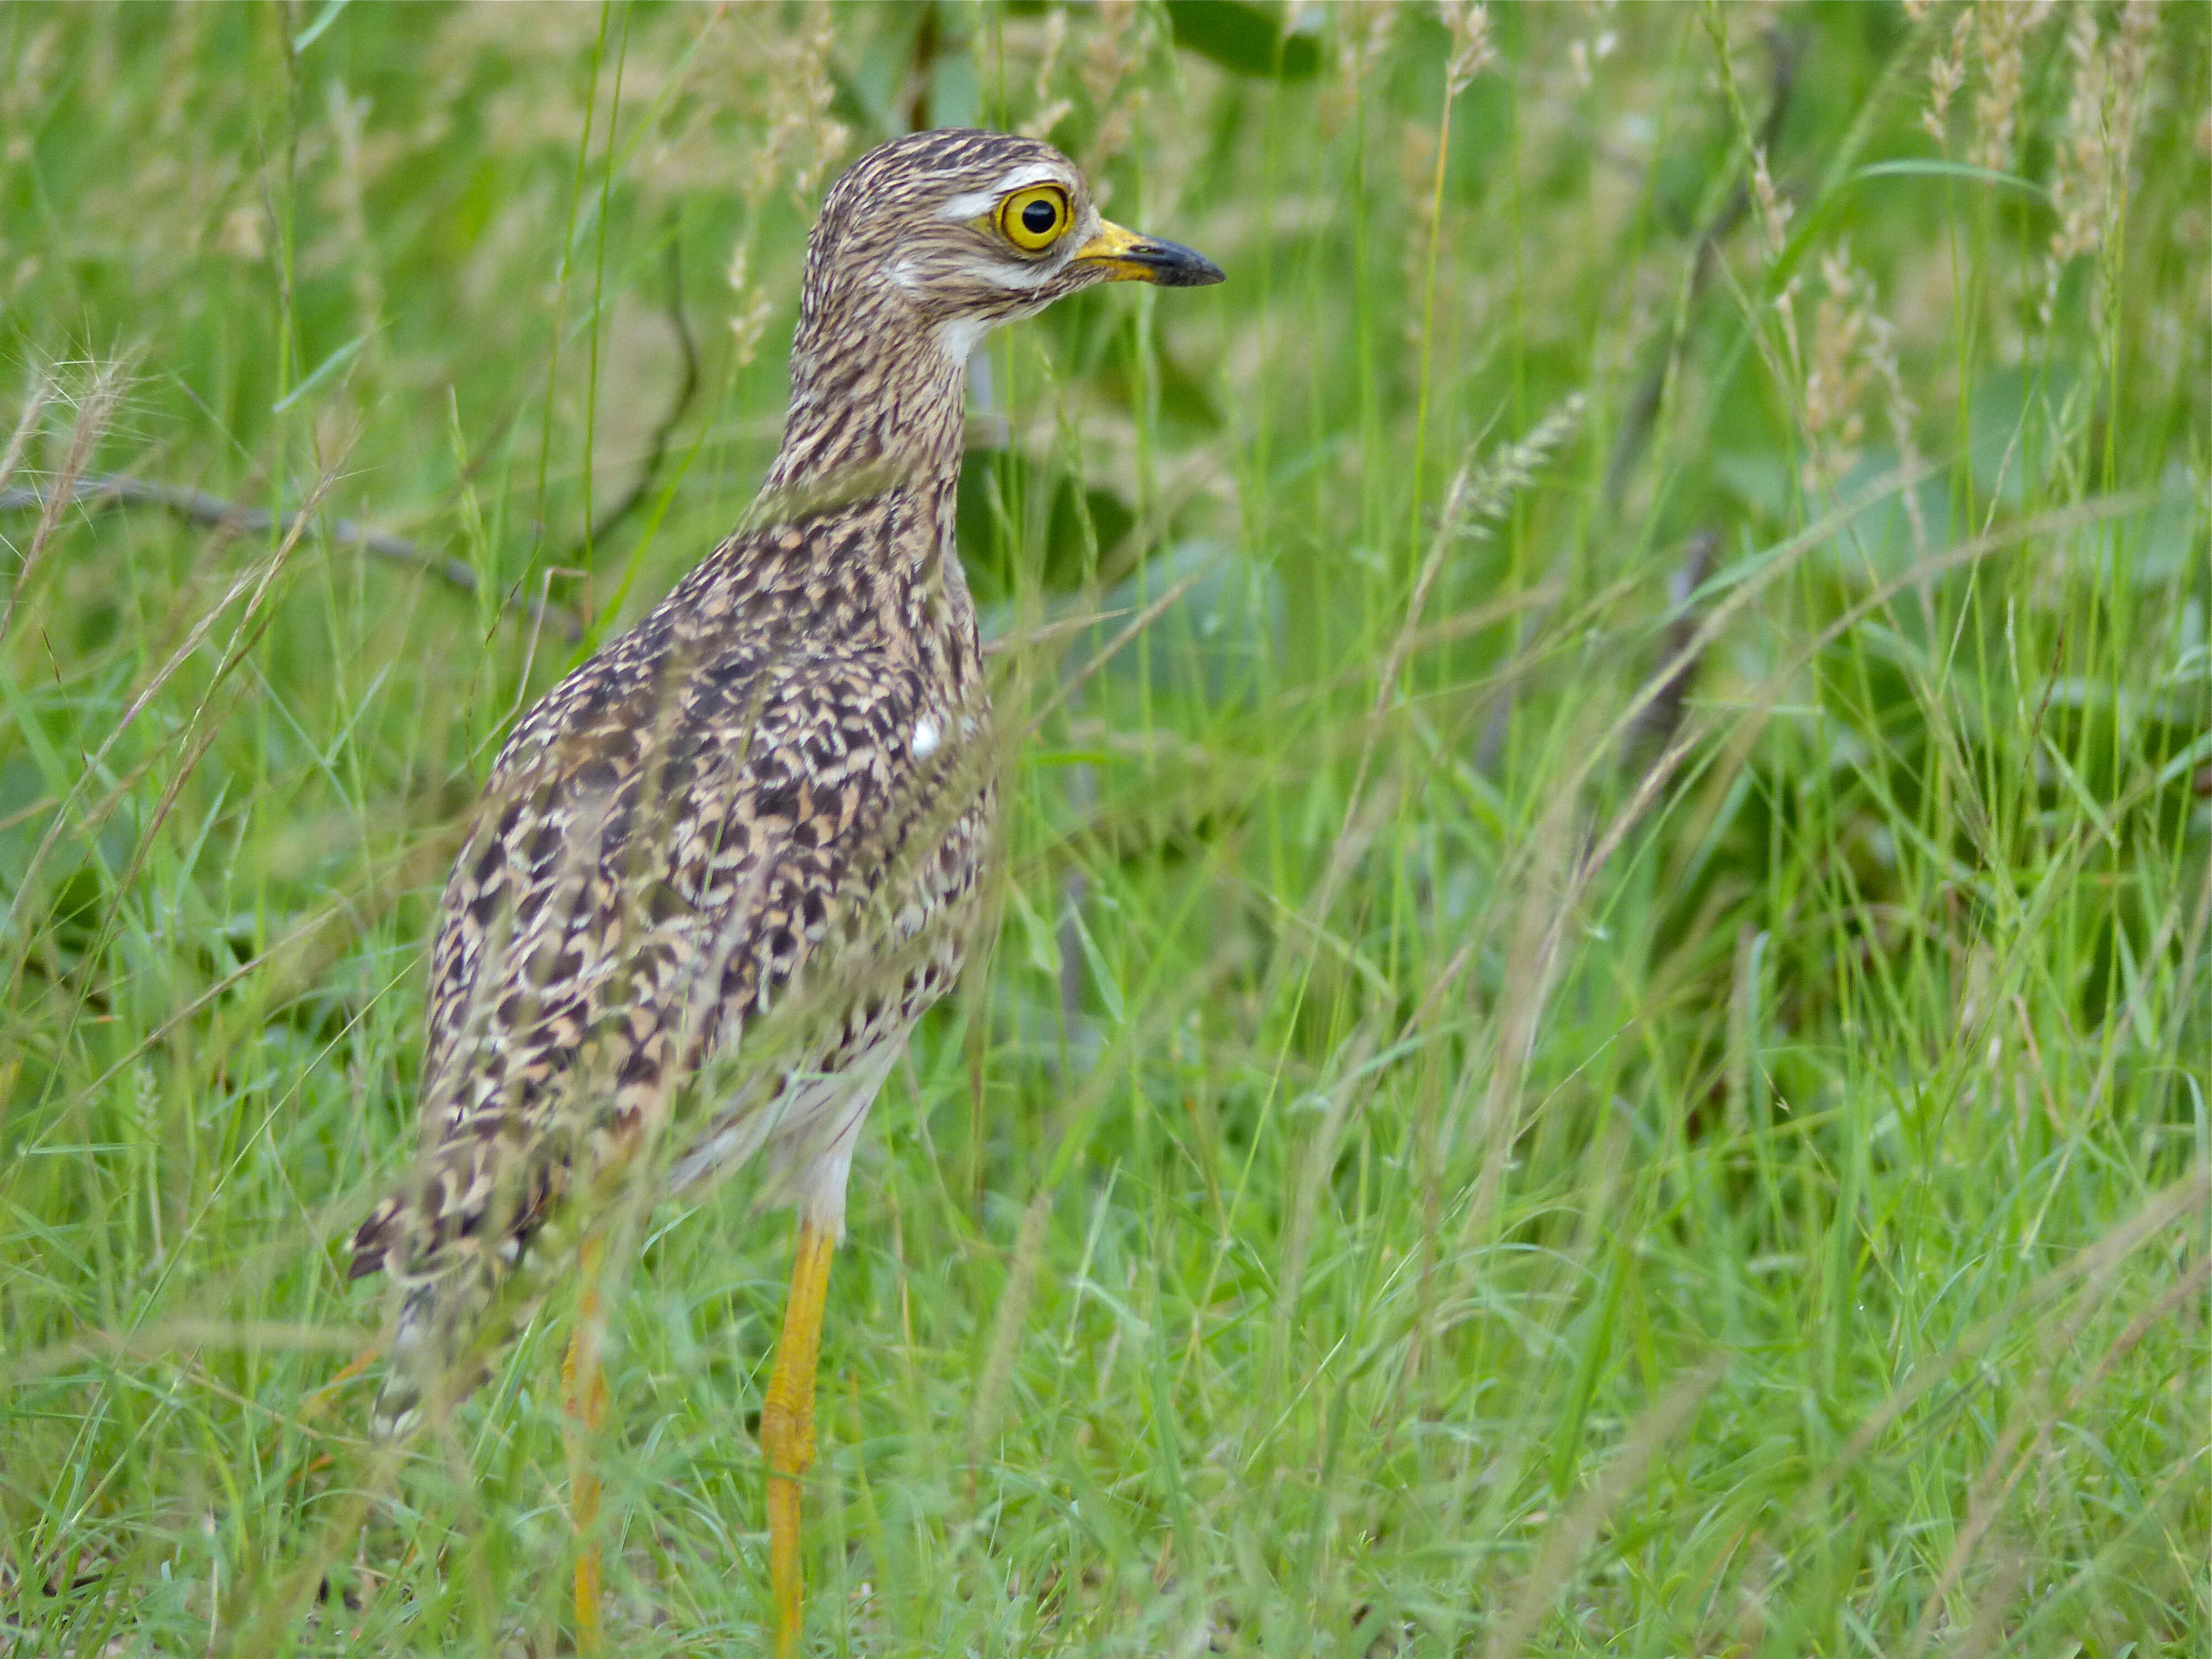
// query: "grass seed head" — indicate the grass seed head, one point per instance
point(1947, 73)
point(802, 142)
point(1050, 110)
point(1111, 59)
point(1774, 209)
point(752, 305)
point(1836, 381)
point(2092, 159)
point(2003, 28)
point(1471, 49)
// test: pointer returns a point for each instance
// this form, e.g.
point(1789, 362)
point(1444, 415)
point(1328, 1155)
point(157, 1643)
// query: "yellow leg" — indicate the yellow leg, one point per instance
point(584, 1396)
point(312, 1406)
point(787, 1424)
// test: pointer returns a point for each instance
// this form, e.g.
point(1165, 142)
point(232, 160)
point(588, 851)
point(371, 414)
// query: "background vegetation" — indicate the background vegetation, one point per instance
point(1597, 1039)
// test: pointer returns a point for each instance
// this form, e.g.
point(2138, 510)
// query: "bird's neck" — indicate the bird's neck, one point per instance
point(873, 441)
point(878, 400)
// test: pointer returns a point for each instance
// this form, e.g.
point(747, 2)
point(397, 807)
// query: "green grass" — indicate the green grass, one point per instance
point(1611, 1059)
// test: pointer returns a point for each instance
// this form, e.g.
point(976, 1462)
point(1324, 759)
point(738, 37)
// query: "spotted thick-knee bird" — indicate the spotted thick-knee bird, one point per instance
point(751, 827)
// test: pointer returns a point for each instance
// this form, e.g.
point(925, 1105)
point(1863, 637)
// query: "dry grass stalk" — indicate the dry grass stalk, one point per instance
point(1475, 502)
point(1575, 1532)
point(1854, 354)
point(1111, 58)
point(96, 403)
point(27, 424)
point(348, 118)
point(2082, 180)
point(1471, 49)
point(1354, 1082)
point(802, 142)
point(2089, 175)
point(1050, 110)
point(1360, 42)
point(751, 306)
point(1549, 894)
point(1363, 34)
point(1584, 55)
point(798, 143)
point(1513, 467)
point(1837, 380)
point(2003, 28)
point(1743, 1029)
point(1426, 153)
point(1773, 211)
point(2036, 1420)
point(1947, 73)
point(1011, 1317)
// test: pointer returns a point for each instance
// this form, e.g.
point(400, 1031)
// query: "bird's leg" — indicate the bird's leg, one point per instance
point(584, 1397)
point(312, 1406)
point(787, 1423)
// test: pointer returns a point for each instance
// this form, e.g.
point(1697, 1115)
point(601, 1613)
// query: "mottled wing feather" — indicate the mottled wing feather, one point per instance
point(593, 913)
point(710, 815)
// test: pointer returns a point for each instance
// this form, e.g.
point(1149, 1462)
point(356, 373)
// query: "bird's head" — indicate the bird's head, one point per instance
point(964, 230)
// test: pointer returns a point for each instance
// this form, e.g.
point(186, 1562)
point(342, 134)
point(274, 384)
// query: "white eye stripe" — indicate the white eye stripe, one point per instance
point(1036, 172)
point(973, 206)
point(974, 203)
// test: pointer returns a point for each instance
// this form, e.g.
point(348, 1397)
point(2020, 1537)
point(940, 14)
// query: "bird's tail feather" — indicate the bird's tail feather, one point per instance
point(468, 1286)
point(452, 1325)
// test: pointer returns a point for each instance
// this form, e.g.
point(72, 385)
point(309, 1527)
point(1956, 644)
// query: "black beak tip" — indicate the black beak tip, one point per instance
point(1200, 272)
point(1174, 265)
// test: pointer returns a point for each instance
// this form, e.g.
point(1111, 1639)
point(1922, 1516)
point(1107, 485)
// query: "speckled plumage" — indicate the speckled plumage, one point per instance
point(758, 818)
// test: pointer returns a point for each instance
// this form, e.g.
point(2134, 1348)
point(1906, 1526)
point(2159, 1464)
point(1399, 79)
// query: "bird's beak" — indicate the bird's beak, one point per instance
point(1129, 258)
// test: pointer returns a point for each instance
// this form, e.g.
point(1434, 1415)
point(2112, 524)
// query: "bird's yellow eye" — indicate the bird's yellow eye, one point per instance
point(1033, 219)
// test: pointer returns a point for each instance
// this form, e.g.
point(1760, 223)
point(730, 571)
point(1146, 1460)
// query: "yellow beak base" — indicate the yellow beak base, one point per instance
point(1129, 258)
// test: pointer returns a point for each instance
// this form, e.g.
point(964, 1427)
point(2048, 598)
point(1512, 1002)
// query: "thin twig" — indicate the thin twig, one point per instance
point(98, 489)
point(657, 453)
point(1654, 726)
point(1637, 421)
point(121, 490)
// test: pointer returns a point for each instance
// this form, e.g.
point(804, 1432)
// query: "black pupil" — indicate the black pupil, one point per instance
point(1039, 217)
